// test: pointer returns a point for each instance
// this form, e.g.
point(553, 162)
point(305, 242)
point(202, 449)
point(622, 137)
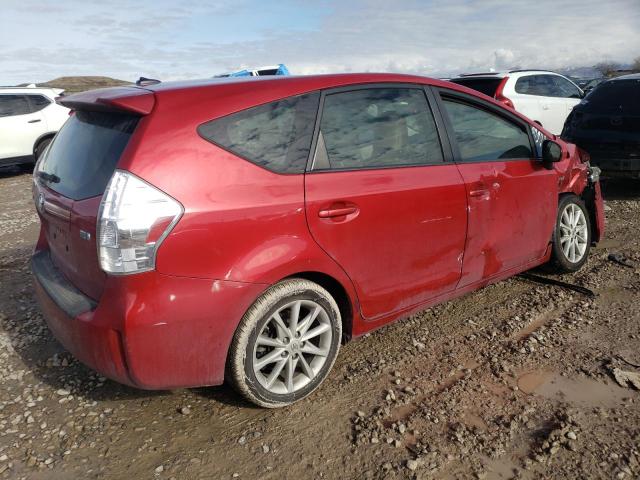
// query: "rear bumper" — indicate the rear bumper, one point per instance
point(70, 316)
point(149, 330)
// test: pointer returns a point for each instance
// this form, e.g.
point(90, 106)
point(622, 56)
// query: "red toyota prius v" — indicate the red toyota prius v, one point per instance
point(242, 229)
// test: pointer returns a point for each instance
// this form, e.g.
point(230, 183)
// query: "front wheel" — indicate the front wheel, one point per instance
point(572, 235)
point(285, 344)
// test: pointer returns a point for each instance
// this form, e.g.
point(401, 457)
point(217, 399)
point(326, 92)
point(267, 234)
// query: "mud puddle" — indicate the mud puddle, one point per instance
point(581, 392)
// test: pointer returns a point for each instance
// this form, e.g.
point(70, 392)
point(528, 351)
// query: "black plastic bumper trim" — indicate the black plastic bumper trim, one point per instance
point(71, 300)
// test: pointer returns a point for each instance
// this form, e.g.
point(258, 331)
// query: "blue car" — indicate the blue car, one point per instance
point(279, 69)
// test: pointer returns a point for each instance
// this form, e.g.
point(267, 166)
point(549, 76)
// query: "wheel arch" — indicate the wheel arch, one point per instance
point(44, 136)
point(339, 294)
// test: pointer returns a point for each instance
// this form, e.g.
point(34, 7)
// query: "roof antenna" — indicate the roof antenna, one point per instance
point(144, 81)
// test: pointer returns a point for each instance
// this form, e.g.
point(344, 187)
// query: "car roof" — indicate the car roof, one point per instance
point(33, 90)
point(266, 89)
point(307, 82)
point(504, 73)
point(633, 76)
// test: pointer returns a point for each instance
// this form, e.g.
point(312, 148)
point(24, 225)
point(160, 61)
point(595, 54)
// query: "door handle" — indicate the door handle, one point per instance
point(337, 212)
point(34, 121)
point(481, 192)
point(545, 107)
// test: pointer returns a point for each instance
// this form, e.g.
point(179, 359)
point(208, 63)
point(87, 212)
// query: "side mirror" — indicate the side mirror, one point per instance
point(551, 153)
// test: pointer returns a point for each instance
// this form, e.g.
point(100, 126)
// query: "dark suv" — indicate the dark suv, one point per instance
point(607, 125)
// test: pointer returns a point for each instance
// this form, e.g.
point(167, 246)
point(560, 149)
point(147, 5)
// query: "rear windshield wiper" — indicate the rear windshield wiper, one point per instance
point(49, 177)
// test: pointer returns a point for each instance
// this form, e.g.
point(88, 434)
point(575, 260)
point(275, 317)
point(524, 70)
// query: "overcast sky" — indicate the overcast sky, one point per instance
point(44, 39)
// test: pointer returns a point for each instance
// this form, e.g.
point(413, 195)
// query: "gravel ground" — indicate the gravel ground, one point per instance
point(514, 381)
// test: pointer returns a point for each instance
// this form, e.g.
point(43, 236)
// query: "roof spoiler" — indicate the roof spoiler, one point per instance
point(118, 99)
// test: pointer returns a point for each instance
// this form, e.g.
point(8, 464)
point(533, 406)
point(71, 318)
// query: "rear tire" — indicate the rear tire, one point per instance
point(40, 148)
point(286, 344)
point(571, 240)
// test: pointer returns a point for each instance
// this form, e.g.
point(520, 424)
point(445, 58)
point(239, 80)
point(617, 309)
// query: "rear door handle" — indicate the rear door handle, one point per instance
point(481, 192)
point(34, 121)
point(337, 212)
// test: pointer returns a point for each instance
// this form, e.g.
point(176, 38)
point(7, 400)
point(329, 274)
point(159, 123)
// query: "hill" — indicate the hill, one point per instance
point(81, 84)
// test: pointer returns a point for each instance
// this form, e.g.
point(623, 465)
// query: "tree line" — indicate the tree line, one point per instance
point(611, 69)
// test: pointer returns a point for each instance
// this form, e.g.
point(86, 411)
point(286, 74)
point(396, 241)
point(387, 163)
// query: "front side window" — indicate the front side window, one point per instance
point(376, 128)
point(276, 136)
point(485, 136)
point(12, 105)
point(38, 102)
point(563, 88)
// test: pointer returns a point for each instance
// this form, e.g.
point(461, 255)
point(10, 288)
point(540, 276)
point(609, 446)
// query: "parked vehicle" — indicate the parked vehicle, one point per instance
point(547, 98)
point(591, 84)
point(196, 233)
point(269, 70)
point(607, 125)
point(29, 118)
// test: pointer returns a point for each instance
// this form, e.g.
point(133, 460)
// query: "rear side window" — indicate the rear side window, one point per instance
point(375, 128)
point(617, 97)
point(484, 136)
point(540, 85)
point(11, 105)
point(488, 86)
point(84, 153)
point(38, 102)
point(276, 136)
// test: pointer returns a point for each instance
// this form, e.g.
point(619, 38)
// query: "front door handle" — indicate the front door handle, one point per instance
point(337, 212)
point(34, 121)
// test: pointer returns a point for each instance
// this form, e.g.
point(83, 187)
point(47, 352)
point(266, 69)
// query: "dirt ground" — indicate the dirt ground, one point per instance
point(513, 381)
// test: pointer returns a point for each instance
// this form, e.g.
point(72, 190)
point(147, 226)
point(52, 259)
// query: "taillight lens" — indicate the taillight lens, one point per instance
point(506, 101)
point(133, 220)
point(499, 95)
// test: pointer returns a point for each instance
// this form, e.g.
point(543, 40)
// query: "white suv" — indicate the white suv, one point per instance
point(545, 97)
point(29, 118)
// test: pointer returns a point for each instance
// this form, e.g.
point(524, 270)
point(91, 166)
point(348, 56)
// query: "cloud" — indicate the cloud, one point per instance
point(126, 39)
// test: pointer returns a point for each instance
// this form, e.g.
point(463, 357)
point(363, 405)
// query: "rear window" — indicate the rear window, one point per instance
point(615, 97)
point(276, 136)
point(488, 86)
point(84, 153)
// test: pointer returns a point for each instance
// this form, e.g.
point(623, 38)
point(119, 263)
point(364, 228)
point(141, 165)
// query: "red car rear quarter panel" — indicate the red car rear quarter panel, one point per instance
point(177, 330)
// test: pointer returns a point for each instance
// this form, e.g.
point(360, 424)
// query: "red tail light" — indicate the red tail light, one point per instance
point(500, 97)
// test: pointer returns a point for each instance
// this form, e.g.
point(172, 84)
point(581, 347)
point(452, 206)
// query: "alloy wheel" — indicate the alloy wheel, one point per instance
point(573, 233)
point(292, 347)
